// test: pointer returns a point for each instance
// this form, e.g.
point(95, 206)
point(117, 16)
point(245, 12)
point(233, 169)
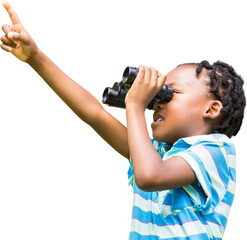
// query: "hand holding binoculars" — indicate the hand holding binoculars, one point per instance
point(115, 96)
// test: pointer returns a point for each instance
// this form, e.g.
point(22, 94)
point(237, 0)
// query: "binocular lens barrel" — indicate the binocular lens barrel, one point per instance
point(110, 97)
point(129, 75)
point(108, 94)
point(115, 96)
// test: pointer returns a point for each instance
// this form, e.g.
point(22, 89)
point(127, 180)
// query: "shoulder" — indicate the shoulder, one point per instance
point(212, 142)
point(213, 138)
point(216, 149)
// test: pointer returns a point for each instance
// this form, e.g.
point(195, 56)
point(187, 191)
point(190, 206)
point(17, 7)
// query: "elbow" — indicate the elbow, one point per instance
point(143, 186)
point(146, 182)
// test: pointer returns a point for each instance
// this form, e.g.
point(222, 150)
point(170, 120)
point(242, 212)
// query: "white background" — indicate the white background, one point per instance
point(58, 179)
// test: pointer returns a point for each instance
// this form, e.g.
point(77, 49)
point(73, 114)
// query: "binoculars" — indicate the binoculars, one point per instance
point(115, 96)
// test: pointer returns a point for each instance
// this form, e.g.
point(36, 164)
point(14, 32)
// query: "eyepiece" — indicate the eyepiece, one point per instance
point(165, 94)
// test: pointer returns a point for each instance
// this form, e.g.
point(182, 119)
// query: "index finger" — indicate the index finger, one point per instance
point(13, 16)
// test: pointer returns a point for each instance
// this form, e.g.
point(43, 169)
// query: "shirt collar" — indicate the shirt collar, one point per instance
point(207, 138)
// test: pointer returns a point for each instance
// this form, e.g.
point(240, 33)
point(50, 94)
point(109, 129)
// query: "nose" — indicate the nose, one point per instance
point(158, 104)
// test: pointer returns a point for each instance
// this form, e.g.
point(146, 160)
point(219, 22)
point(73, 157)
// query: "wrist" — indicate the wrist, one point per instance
point(135, 106)
point(34, 57)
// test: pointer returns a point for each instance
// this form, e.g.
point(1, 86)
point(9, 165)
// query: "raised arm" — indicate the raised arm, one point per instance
point(17, 41)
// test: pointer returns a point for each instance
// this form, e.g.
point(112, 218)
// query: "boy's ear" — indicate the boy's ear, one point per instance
point(213, 110)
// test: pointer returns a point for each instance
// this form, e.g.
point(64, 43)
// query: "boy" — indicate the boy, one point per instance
point(184, 179)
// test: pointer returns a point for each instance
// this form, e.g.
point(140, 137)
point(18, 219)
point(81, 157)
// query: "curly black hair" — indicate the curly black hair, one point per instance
point(227, 87)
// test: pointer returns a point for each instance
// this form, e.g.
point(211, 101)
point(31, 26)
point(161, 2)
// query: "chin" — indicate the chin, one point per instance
point(164, 139)
point(159, 138)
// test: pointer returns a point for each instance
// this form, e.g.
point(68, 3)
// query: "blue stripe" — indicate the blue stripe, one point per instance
point(220, 161)
point(189, 215)
point(137, 236)
point(180, 218)
point(228, 198)
point(217, 218)
point(168, 199)
point(232, 173)
point(153, 196)
point(230, 148)
point(180, 199)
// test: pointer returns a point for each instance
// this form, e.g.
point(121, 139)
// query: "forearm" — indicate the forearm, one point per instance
point(144, 157)
point(17, 41)
point(76, 97)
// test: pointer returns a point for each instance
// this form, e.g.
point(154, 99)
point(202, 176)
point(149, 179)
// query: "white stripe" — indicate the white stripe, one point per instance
point(231, 159)
point(148, 205)
point(169, 231)
point(231, 186)
point(223, 209)
point(216, 229)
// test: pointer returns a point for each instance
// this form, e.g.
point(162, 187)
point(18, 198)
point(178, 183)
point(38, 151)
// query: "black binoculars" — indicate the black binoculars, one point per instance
point(115, 96)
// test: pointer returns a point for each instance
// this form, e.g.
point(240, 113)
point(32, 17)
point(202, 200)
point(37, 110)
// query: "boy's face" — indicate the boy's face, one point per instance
point(183, 115)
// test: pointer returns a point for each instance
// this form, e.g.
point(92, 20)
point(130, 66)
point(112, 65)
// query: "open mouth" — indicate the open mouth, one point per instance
point(159, 119)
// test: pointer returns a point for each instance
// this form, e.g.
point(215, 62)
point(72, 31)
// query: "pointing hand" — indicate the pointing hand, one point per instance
point(16, 39)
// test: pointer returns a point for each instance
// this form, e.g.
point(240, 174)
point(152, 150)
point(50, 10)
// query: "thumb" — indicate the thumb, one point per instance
point(15, 36)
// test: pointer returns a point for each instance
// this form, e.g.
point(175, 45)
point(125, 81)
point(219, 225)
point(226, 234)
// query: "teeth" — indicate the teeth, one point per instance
point(159, 119)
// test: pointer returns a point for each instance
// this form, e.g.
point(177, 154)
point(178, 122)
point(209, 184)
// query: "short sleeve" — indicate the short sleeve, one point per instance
point(209, 161)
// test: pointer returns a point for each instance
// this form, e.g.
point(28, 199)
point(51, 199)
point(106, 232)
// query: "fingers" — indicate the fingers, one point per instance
point(6, 28)
point(12, 14)
point(19, 37)
point(151, 77)
point(161, 78)
point(8, 42)
point(6, 47)
point(12, 40)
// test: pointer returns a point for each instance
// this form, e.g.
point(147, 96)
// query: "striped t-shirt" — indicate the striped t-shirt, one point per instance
point(194, 212)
